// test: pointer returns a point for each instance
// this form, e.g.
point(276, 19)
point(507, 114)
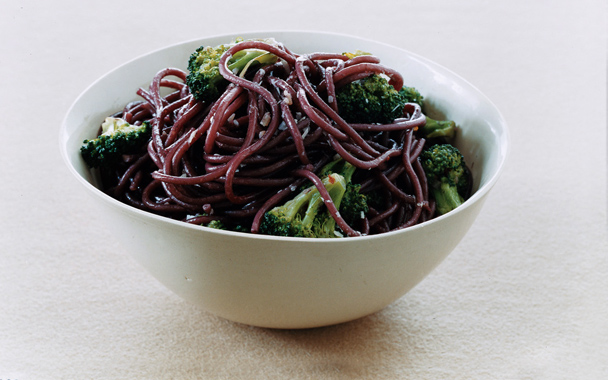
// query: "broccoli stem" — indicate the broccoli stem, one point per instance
point(447, 198)
point(240, 62)
point(335, 186)
point(347, 171)
point(340, 166)
point(438, 128)
point(292, 207)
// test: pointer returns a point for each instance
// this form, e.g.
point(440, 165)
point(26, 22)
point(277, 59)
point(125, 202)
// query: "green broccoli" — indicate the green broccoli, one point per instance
point(447, 174)
point(220, 225)
point(305, 214)
point(433, 129)
point(354, 204)
point(217, 224)
point(370, 100)
point(411, 95)
point(373, 100)
point(117, 138)
point(204, 78)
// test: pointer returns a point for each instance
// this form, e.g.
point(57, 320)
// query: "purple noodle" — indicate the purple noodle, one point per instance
point(267, 135)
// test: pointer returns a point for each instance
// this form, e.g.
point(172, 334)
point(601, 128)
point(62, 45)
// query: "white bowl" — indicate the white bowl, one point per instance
point(292, 282)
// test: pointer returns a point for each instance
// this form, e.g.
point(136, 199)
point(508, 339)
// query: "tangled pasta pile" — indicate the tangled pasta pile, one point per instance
point(267, 135)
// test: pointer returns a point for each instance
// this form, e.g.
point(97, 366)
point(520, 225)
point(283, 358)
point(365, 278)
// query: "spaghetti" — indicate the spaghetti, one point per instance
point(266, 136)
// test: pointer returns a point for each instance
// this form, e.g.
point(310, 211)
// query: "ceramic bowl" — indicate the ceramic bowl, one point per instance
point(292, 282)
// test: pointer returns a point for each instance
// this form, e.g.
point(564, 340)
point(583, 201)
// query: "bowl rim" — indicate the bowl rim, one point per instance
point(475, 197)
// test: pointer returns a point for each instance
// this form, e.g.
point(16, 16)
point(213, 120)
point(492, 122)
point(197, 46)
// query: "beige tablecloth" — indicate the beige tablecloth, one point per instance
point(524, 296)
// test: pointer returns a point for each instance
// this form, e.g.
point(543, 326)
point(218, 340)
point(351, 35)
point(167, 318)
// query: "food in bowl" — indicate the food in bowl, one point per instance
point(290, 282)
point(256, 138)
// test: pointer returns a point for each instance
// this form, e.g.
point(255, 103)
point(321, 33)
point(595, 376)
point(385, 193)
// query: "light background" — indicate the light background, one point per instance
point(524, 296)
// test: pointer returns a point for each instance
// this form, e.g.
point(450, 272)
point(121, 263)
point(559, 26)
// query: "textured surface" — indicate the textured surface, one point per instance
point(522, 297)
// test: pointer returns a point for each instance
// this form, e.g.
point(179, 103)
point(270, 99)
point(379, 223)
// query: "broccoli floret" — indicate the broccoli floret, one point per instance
point(217, 224)
point(117, 138)
point(433, 129)
point(374, 100)
point(411, 95)
point(241, 228)
point(354, 204)
point(220, 225)
point(375, 199)
point(316, 221)
point(370, 100)
point(305, 215)
point(204, 78)
point(447, 174)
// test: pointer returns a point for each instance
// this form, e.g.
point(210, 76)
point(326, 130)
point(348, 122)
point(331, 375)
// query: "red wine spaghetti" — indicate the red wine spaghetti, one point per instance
point(267, 135)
